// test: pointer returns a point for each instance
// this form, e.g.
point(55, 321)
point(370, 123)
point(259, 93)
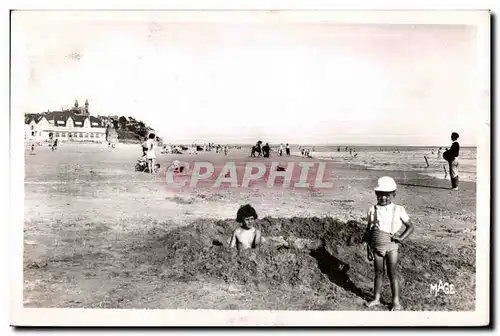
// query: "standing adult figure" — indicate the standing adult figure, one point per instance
point(150, 154)
point(266, 149)
point(451, 155)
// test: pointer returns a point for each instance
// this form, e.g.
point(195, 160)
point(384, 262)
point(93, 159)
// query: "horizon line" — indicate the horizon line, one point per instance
point(315, 145)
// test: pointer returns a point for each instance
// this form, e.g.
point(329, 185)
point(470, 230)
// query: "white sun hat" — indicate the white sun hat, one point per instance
point(386, 184)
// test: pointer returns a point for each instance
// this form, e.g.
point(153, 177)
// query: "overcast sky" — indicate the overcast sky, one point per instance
point(243, 81)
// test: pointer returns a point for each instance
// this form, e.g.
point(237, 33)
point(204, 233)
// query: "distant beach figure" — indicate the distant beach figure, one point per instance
point(287, 148)
point(144, 146)
point(254, 150)
point(280, 150)
point(150, 154)
point(54, 145)
point(225, 150)
point(439, 153)
point(176, 166)
point(246, 236)
point(451, 156)
point(142, 164)
point(32, 148)
point(266, 150)
point(338, 149)
point(257, 149)
point(385, 219)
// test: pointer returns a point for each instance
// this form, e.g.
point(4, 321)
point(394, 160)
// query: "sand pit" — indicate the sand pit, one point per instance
point(323, 255)
point(288, 259)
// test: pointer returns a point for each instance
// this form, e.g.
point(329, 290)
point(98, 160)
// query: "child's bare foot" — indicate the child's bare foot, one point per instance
point(396, 306)
point(372, 303)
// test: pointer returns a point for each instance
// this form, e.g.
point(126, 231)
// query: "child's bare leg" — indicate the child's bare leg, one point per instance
point(378, 264)
point(392, 272)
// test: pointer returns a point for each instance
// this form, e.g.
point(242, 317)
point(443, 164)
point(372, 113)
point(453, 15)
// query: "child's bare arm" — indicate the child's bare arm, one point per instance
point(409, 229)
point(232, 243)
point(258, 238)
point(368, 227)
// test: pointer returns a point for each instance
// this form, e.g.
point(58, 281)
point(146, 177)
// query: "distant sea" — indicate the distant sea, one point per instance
point(400, 158)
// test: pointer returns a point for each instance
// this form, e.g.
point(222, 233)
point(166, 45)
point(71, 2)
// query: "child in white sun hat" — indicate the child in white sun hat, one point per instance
point(385, 219)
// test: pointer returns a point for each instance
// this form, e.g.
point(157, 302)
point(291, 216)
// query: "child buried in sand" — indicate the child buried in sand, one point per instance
point(246, 236)
point(384, 220)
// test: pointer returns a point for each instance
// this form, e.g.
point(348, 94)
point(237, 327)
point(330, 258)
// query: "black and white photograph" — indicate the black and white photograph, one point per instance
point(293, 168)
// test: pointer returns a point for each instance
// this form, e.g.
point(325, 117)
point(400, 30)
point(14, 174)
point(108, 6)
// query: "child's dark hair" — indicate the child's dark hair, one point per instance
point(454, 135)
point(244, 212)
point(152, 136)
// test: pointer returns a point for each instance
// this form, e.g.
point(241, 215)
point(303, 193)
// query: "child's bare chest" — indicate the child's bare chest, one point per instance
point(246, 236)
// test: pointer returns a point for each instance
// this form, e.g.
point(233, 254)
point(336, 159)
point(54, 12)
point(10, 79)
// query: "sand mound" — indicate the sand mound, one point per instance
point(293, 254)
point(323, 255)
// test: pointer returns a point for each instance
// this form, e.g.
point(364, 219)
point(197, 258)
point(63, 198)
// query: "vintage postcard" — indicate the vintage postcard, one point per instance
point(270, 168)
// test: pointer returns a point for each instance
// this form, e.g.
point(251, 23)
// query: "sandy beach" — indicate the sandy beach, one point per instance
point(97, 234)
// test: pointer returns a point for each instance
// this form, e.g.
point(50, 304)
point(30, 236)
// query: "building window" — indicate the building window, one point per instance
point(57, 135)
point(91, 135)
point(70, 135)
point(63, 134)
point(86, 135)
point(80, 135)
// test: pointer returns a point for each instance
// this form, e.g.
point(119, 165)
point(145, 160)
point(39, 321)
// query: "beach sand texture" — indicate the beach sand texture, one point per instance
point(97, 234)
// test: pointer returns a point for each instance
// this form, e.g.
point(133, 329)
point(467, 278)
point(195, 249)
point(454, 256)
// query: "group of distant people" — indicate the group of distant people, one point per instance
point(147, 162)
point(221, 148)
point(260, 151)
point(286, 148)
point(351, 151)
point(307, 152)
point(265, 151)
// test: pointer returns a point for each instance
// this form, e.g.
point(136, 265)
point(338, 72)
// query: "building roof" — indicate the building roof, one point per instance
point(78, 120)
point(96, 122)
point(59, 117)
point(28, 117)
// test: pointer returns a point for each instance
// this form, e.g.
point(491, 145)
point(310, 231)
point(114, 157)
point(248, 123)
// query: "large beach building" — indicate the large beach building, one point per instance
point(75, 124)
